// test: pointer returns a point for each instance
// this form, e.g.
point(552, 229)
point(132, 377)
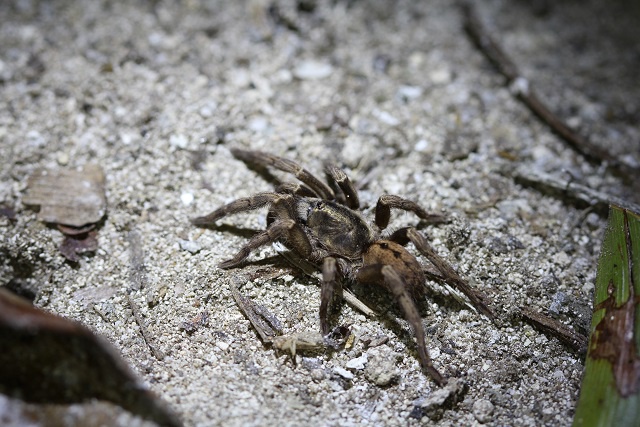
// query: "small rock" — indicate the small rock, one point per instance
point(222, 345)
point(186, 198)
point(520, 86)
point(381, 367)
point(178, 141)
point(358, 362)
point(63, 158)
point(208, 109)
point(593, 221)
point(441, 76)
point(496, 245)
point(558, 300)
point(258, 124)
point(386, 118)
point(561, 258)
point(434, 405)
point(317, 375)
point(343, 373)
point(421, 146)
point(558, 375)
point(190, 246)
point(407, 93)
point(240, 78)
point(483, 410)
point(312, 70)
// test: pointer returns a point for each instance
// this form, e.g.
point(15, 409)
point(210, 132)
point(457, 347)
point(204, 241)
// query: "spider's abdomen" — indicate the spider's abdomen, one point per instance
point(339, 229)
point(386, 252)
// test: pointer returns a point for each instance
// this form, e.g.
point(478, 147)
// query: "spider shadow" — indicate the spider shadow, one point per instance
point(392, 317)
point(264, 173)
point(247, 233)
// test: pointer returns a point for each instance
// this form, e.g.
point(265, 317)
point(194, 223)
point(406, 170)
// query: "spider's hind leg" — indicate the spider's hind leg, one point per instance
point(480, 301)
point(379, 273)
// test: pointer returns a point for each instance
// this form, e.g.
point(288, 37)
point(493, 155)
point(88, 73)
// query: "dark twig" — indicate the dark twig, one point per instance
point(570, 192)
point(138, 280)
point(270, 328)
point(522, 89)
point(143, 328)
point(137, 268)
point(550, 326)
point(266, 324)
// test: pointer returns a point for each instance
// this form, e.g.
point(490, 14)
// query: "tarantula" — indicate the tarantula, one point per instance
point(325, 227)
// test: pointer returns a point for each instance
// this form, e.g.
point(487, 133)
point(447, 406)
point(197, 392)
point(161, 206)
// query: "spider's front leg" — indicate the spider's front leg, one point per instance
point(285, 229)
point(385, 274)
point(388, 201)
point(342, 181)
point(283, 226)
point(289, 166)
point(241, 205)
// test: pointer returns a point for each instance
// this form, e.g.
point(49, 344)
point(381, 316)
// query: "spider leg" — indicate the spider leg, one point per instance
point(240, 205)
point(479, 300)
point(377, 273)
point(295, 189)
point(280, 229)
point(343, 182)
point(329, 285)
point(289, 166)
point(388, 201)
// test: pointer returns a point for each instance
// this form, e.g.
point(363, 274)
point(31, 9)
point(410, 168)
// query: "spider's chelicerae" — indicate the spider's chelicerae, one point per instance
point(325, 227)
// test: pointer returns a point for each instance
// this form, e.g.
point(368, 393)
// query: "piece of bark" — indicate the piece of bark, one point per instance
point(68, 197)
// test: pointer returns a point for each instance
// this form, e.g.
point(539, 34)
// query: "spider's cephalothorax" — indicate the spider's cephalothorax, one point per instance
point(325, 227)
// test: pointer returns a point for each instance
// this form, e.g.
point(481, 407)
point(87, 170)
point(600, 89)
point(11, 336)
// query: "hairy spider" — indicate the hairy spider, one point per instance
point(325, 227)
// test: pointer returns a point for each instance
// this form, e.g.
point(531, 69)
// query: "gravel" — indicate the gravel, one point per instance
point(156, 93)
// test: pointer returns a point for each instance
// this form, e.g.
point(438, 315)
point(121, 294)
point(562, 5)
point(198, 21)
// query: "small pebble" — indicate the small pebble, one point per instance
point(222, 345)
point(483, 410)
point(190, 246)
point(442, 399)
point(63, 158)
point(343, 373)
point(312, 70)
point(558, 375)
point(178, 141)
point(207, 110)
point(317, 375)
point(381, 369)
point(357, 363)
point(258, 124)
point(441, 76)
point(409, 92)
point(421, 146)
point(386, 118)
point(186, 198)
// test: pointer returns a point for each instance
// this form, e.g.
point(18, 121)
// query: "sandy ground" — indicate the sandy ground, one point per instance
point(393, 92)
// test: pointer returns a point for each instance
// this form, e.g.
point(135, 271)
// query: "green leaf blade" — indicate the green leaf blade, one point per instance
point(610, 393)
